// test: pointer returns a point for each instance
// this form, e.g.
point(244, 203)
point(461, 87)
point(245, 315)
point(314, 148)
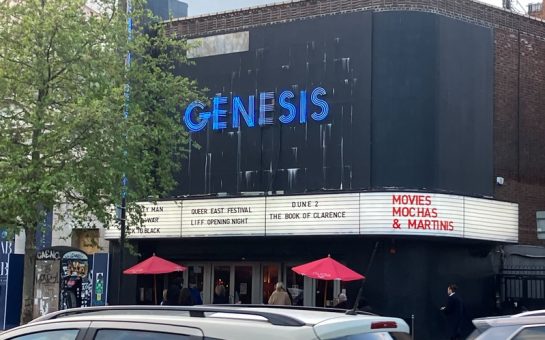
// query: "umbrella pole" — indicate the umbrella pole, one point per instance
point(325, 293)
point(155, 289)
point(360, 291)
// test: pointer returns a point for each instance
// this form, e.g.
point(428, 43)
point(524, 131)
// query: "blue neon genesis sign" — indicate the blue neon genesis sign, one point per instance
point(196, 118)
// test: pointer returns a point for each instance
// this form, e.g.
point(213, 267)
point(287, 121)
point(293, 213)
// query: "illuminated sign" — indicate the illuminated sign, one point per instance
point(366, 213)
point(196, 118)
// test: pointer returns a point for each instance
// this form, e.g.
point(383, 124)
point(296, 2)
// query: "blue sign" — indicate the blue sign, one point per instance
point(13, 296)
point(100, 263)
point(196, 118)
point(6, 248)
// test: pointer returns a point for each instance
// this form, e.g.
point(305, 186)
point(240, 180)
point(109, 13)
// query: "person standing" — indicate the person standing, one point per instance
point(173, 291)
point(185, 297)
point(195, 294)
point(220, 295)
point(280, 296)
point(454, 311)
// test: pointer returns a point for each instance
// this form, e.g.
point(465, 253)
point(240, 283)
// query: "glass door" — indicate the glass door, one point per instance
point(221, 281)
point(195, 283)
point(242, 288)
point(295, 284)
point(270, 276)
point(234, 283)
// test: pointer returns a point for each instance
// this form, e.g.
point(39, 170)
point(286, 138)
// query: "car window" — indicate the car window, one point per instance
point(476, 332)
point(499, 332)
point(124, 334)
point(366, 336)
point(64, 334)
point(531, 333)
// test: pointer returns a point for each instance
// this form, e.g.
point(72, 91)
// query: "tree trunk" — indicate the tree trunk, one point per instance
point(28, 279)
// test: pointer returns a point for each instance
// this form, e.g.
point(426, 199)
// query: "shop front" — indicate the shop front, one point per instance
point(358, 137)
point(248, 244)
point(246, 282)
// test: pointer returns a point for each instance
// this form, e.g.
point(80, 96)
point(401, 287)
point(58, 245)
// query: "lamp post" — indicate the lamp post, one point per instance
point(124, 180)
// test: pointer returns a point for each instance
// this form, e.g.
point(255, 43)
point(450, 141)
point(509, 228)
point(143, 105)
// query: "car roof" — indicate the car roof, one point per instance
point(526, 318)
point(326, 323)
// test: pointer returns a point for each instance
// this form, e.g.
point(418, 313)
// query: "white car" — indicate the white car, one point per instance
point(259, 322)
point(523, 326)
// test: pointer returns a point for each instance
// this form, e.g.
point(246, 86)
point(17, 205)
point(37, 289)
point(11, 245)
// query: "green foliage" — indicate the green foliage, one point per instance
point(63, 136)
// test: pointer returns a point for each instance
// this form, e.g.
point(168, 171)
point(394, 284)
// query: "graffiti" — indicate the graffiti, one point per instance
point(75, 287)
point(48, 254)
point(47, 278)
point(44, 307)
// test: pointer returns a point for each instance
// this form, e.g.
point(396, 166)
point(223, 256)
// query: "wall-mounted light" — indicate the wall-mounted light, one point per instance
point(500, 180)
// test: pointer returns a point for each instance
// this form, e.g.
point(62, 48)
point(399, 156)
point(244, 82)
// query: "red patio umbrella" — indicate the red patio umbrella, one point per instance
point(327, 269)
point(154, 265)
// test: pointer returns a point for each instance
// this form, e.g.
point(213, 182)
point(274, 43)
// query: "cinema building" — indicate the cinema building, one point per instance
point(404, 138)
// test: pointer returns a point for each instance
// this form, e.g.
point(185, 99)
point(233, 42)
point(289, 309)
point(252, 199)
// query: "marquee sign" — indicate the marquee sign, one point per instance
point(159, 220)
point(413, 214)
point(287, 103)
point(226, 217)
point(313, 214)
point(380, 213)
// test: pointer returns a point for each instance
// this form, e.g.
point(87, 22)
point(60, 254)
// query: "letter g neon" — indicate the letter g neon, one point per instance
point(203, 116)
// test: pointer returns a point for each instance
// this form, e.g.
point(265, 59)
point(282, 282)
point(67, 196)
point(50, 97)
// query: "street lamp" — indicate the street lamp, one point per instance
point(124, 180)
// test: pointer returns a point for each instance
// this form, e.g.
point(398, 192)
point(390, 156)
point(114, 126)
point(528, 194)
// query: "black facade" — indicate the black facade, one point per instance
point(403, 87)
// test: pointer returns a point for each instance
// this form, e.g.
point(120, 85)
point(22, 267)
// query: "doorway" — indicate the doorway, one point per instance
point(239, 281)
point(252, 282)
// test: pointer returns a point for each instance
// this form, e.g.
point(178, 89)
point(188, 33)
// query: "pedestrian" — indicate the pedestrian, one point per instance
point(343, 302)
point(454, 311)
point(220, 295)
point(195, 294)
point(173, 292)
point(185, 297)
point(279, 296)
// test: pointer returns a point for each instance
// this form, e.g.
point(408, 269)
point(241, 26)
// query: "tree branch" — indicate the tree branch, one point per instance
point(16, 61)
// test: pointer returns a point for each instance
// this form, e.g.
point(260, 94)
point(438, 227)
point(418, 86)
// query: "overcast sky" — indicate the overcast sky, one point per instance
point(199, 7)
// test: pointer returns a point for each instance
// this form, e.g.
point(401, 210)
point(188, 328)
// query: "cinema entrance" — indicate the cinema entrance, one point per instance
point(252, 282)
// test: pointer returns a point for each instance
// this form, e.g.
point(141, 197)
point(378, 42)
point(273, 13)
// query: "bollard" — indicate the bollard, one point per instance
point(412, 326)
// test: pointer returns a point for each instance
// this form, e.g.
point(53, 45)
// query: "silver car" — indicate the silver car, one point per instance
point(523, 326)
point(260, 322)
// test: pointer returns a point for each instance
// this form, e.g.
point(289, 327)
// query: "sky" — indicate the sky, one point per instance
point(200, 7)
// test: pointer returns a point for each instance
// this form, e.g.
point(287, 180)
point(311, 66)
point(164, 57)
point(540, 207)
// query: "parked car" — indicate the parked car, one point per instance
point(259, 322)
point(523, 326)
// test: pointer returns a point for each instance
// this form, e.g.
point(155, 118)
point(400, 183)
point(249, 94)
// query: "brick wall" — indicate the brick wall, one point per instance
point(466, 10)
point(530, 198)
point(519, 125)
point(519, 80)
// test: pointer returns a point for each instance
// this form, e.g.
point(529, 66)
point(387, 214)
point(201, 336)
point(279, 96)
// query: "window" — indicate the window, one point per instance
point(64, 334)
point(123, 334)
point(86, 239)
point(531, 333)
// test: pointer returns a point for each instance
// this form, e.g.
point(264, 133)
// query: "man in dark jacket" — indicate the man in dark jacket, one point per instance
point(454, 311)
point(173, 292)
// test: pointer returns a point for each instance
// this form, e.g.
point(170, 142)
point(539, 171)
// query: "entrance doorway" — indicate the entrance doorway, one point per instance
point(270, 274)
point(252, 282)
point(239, 281)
